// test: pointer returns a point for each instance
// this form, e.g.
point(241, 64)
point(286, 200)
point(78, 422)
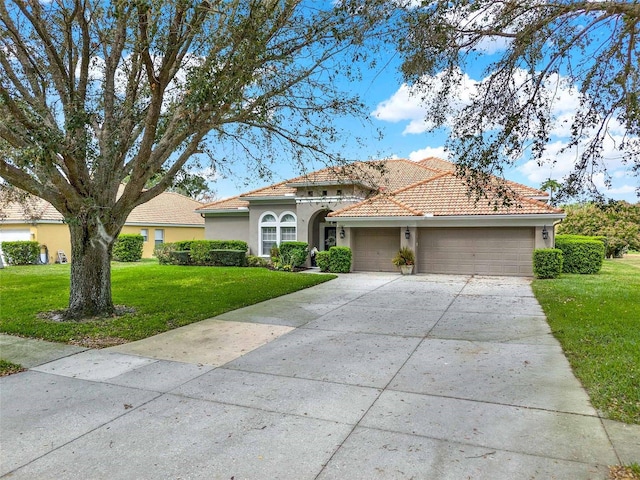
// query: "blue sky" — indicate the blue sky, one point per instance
point(400, 117)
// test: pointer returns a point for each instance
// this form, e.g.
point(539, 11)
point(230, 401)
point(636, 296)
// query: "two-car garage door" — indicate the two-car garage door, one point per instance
point(481, 251)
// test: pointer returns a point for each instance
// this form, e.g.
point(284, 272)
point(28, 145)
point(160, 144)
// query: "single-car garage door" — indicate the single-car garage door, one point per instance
point(481, 251)
point(373, 249)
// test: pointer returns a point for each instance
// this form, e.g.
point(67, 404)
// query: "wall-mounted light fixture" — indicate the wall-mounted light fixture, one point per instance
point(545, 234)
point(407, 234)
point(341, 232)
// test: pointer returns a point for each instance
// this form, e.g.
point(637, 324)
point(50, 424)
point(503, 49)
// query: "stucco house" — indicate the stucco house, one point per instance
point(377, 207)
point(169, 217)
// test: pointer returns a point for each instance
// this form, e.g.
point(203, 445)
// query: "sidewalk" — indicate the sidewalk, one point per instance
point(367, 376)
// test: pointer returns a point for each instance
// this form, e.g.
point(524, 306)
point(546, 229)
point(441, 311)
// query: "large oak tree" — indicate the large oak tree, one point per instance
point(93, 93)
point(534, 50)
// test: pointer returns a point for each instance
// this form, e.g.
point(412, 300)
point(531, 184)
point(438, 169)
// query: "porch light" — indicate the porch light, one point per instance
point(341, 232)
point(545, 234)
point(407, 234)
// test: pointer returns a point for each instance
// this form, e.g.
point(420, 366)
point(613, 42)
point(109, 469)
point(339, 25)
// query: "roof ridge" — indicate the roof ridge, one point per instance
point(404, 205)
point(420, 182)
point(541, 203)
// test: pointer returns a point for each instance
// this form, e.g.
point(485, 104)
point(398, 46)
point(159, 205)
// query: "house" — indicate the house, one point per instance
point(377, 207)
point(169, 217)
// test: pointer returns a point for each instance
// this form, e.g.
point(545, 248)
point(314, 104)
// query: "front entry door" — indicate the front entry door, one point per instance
point(329, 237)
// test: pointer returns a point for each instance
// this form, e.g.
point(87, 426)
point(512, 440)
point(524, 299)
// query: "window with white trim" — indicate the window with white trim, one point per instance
point(159, 236)
point(275, 230)
point(145, 234)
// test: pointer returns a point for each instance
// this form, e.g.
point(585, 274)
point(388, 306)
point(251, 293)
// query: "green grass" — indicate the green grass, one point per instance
point(164, 297)
point(596, 318)
point(8, 368)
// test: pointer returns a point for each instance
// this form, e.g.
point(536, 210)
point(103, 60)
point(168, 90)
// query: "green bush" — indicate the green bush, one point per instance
point(21, 252)
point(547, 262)
point(274, 253)
point(581, 254)
point(322, 260)
point(128, 248)
point(182, 245)
point(163, 253)
point(180, 257)
point(295, 252)
point(254, 261)
point(339, 259)
point(228, 258)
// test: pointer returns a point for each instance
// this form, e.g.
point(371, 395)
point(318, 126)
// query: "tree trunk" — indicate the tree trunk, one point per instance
point(91, 248)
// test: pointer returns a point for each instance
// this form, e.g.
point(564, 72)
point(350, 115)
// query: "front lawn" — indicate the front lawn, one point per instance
point(596, 318)
point(164, 297)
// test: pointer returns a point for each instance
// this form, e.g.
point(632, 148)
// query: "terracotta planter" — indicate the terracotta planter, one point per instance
point(406, 269)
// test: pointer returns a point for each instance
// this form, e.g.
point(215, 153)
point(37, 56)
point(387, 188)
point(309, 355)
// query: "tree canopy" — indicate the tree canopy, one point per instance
point(619, 221)
point(535, 51)
point(95, 92)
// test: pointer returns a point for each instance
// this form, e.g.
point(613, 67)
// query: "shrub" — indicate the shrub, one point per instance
point(322, 260)
point(547, 262)
point(21, 252)
point(202, 251)
point(128, 248)
point(295, 252)
point(228, 258)
point(163, 253)
point(274, 253)
point(581, 254)
point(182, 245)
point(405, 256)
point(181, 257)
point(339, 259)
point(253, 261)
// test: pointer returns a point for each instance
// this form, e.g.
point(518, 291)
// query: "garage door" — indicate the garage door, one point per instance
point(13, 235)
point(481, 251)
point(373, 249)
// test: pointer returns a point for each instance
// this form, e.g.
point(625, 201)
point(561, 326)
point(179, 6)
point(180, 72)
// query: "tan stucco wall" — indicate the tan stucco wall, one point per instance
point(54, 235)
point(225, 227)
point(171, 234)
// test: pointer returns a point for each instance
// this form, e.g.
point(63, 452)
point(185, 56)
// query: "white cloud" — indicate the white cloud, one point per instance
point(409, 103)
point(427, 152)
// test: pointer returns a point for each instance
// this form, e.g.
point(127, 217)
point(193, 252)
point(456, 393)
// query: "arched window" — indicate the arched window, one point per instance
point(268, 233)
point(288, 227)
point(274, 230)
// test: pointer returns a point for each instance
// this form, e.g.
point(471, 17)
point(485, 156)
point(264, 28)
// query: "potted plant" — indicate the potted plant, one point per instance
point(405, 259)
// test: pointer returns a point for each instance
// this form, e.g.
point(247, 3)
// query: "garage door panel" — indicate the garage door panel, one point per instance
point(373, 249)
point(477, 251)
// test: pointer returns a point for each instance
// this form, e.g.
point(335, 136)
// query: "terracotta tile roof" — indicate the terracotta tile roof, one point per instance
point(166, 209)
point(443, 195)
point(278, 190)
point(233, 203)
point(380, 206)
point(382, 176)
point(437, 164)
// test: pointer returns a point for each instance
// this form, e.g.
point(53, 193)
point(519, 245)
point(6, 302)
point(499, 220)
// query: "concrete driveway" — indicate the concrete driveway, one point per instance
point(367, 376)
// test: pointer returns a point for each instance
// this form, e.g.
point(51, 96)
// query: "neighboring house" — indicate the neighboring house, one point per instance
point(377, 207)
point(169, 217)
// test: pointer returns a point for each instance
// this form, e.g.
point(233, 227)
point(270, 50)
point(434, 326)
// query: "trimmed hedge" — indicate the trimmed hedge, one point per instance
point(339, 259)
point(128, 248)
point(547, 262)
point(227, 253)
point(322, 260)
point(21, 252)
point(294, 253)
point(581, 254)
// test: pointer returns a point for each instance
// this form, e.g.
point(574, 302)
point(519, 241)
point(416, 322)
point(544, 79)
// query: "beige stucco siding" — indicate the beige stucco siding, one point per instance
point(225, 227)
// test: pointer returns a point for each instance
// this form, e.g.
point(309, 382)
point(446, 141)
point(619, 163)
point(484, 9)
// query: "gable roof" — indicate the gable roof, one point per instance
point(168, 208)
point(442, 195)
point(233, 203)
